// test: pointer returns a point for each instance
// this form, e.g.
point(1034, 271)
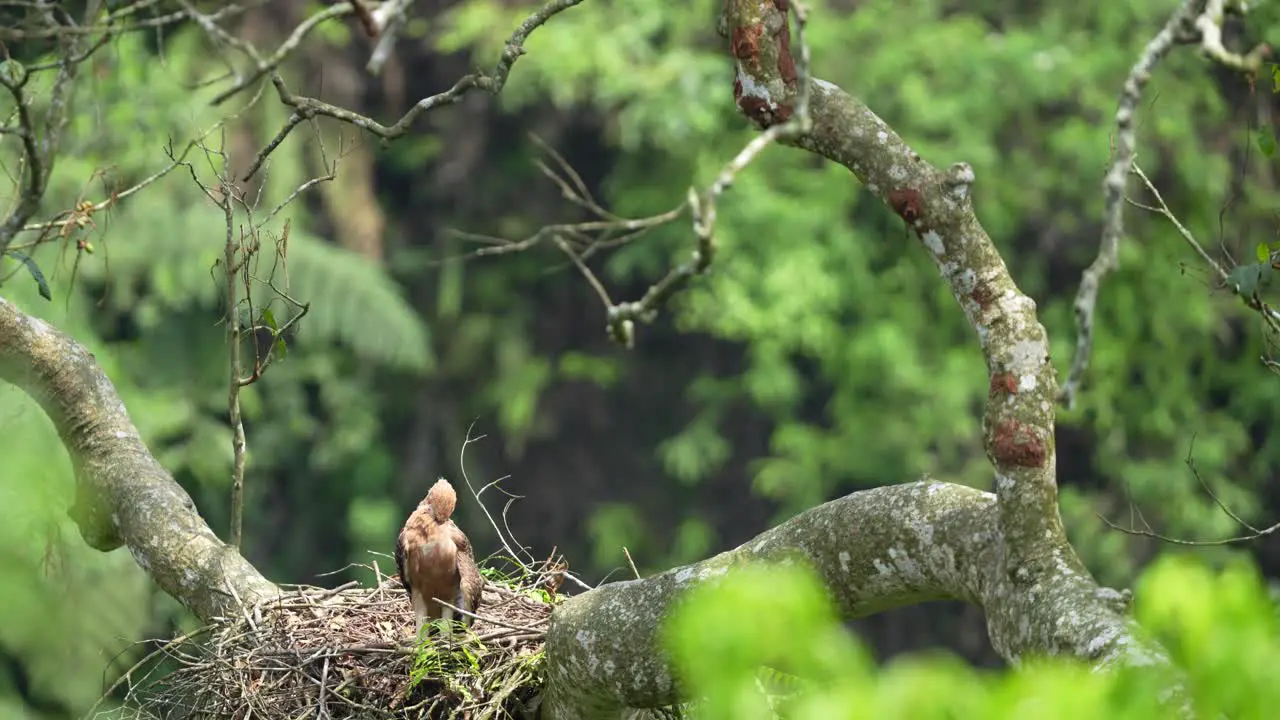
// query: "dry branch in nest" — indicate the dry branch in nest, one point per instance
point(349, 652)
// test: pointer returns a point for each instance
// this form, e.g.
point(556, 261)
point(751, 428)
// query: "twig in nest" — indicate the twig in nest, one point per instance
point(346, 653)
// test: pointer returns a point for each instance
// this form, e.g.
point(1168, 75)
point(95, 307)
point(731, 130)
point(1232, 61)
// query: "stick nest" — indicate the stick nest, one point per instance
point(350, 652)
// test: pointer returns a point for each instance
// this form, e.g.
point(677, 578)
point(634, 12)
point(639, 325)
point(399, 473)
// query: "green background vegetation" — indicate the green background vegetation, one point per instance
point(821, 355)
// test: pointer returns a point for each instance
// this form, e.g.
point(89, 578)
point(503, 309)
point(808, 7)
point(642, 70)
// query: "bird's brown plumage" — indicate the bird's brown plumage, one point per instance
point(435, 559)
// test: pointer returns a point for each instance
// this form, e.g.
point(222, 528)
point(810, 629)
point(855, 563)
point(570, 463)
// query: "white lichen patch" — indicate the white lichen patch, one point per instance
point(882, 136)
point(585, 639)
point(1101, 640)
point(39, 327)
point(1026, 383)
point(924, 531)
point(824, 86)
point(901, 566)
point(754, 88)
point(897, 172)
point(711, 573)
point(844, 561)
point(663, 680)
point(1026, 356)
point(933, 241)
point(139, 558)
point(683, 575)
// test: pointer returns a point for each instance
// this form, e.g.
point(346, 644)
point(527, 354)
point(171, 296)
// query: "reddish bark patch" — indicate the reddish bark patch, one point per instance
point(737, 90)
point(745, 42)
point(982, 295)
point(1003, 382)
point(756, 109)
point(782, 5)
point(907, 203)
point(782, 113)
point(786, 63)
point(1014, 443)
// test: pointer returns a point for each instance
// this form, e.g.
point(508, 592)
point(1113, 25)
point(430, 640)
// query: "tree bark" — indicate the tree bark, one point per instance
point(875, 550)
point(123, 495)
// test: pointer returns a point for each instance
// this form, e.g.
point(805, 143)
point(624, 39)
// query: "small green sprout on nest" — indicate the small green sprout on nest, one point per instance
point(349, 652)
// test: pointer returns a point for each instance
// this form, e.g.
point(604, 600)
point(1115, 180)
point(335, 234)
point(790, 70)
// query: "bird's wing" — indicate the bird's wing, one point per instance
point(404, 579)
point(470, 583)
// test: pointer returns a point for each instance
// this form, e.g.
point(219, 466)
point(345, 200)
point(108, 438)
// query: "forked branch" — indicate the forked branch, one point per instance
point(1194, 21)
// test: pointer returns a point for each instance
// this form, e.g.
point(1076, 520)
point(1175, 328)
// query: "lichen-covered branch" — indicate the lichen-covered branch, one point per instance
point(875, 550)
point(1019, 420)
point(123, 495)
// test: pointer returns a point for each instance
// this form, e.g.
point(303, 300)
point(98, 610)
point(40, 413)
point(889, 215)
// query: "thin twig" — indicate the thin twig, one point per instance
point(491, 82)
point(1193, 19)
point(631, 562)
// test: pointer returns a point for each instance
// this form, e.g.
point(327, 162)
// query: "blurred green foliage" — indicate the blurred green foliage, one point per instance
point(780, 650)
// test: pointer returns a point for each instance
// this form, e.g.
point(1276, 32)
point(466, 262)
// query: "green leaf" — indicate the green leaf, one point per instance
point(34, 269)
point(1262, 252)
point(1248, 279)
point(1267, 142)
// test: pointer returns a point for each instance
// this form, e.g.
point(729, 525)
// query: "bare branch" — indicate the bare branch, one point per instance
point(783, 127)
point(41, 139)
point(491, 82)
point(388, 19)
point(1019, 420)
point(239, 262)
point(119, 21)
point(291, 43)
point(1251, 300)
point(232, 260)
point(1209, 23)
point(1146, 531)
point(1192, 18)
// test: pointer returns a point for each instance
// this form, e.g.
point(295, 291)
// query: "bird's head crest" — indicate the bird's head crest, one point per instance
point(441, 500)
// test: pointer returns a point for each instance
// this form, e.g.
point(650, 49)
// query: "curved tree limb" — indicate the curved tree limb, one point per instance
point(895, 545)
point(123, 495)
point(875, 550)
point(1018, 423)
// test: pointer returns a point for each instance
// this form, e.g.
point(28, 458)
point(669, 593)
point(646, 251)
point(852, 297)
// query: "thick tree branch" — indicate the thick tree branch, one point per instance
point(875, 550)
point(1019, 420)
point(123, 495)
